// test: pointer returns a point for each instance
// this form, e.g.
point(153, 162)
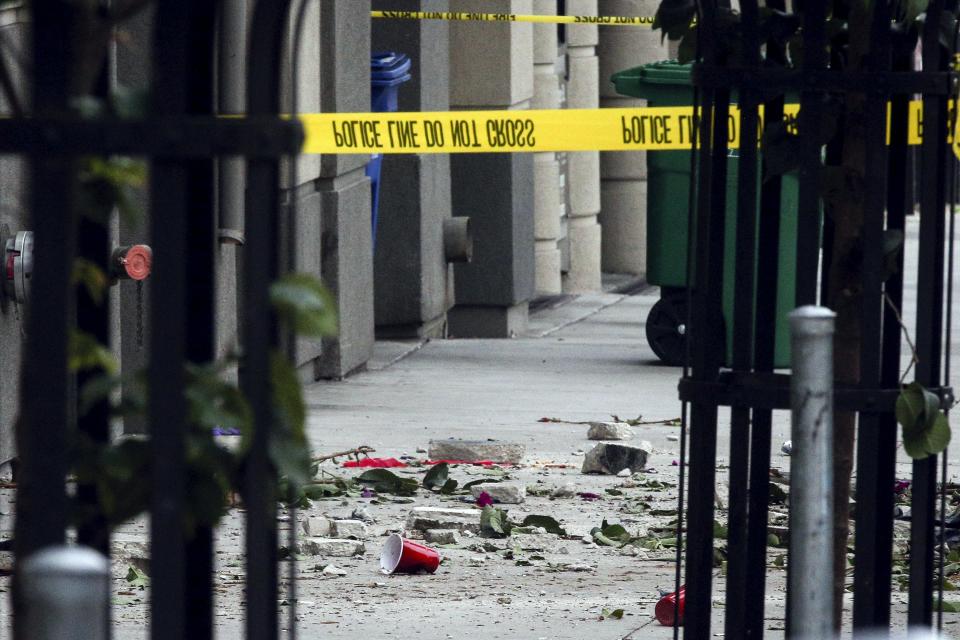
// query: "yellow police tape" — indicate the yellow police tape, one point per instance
point(637, 129)
point(621, 21)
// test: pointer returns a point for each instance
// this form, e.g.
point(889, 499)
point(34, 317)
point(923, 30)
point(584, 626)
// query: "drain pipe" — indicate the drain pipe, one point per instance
point(231, 97)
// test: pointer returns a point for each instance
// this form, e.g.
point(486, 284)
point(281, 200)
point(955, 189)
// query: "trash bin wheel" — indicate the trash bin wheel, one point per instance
point(666, 328)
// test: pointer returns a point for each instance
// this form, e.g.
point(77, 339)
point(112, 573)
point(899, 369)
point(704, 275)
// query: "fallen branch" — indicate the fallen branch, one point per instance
point(362, 450)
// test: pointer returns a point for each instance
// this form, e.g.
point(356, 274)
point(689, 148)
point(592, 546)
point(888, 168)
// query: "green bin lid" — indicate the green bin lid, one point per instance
point(633, 82)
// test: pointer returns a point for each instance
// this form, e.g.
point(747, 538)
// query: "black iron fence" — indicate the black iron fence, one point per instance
point(181, 138)
point(750, 387)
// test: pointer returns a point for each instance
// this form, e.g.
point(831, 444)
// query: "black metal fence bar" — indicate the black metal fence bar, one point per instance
point(706, 336)
point(261, 333)
point(200, 296)
point(929, 321)
point(41, 495)
point(874, 515)
point(742, 348)
point(169, 201)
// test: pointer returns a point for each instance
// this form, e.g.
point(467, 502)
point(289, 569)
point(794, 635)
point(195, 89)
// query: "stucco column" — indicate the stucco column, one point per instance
point(341, 195)
point(624, 173)
point(548, 201)
point(413, 283)
point(584, 166)
point(491, 67)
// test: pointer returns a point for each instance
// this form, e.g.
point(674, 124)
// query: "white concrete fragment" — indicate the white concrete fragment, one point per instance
point(610, 458)
point(566, 491)
point(349, 529)
point(331, 570)
point(477, 561)
point(318, 526)
point(330, 547)
point(501, 492)
point(476, 450)
point(426, 518)
point(624, 473)
point(609, 431)
point(442, 536)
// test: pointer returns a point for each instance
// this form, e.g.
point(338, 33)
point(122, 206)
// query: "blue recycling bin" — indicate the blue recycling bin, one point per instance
point(387, 72)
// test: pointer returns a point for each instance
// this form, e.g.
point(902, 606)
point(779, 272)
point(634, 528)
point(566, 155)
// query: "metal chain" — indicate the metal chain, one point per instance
point(139, 315)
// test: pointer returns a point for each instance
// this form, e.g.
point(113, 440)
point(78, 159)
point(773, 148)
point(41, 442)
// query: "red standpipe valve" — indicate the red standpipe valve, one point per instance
point(133, 262)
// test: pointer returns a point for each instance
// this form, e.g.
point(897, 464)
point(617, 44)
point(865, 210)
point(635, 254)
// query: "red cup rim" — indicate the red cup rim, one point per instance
point(391, 553)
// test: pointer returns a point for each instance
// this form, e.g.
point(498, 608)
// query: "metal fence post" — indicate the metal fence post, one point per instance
point(810, 568)
point(66, 594)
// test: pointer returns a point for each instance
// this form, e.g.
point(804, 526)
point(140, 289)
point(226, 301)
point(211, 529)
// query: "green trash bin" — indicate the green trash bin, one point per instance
point(666, 84)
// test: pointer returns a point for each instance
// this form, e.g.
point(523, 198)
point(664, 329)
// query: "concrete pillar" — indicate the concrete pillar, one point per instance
point(302, 193)
point(491, 67)
point(624, 174)
point(344, 189)
point(413, 284)
point(548, 198)
point(14, 23)
point(584, 166)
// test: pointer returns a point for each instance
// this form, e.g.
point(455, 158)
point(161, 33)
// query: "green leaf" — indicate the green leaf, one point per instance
point(546, 522)
point(674, 17)
point(385, 481)
point(615, 532)
point(319, 491)
point(909, 406)
point(948, 607)
point(137, 578)
point(494, 522)
point(720, 532)
point(85, 353)
point(92, 277)
point(614, 614)
point(302, 301)
point(448, 487)
point(437, 476)
point(474, 483)
point(687, 50)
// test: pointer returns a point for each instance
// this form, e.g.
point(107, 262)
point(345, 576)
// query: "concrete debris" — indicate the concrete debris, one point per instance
point(574, 566)
point(421, 450)
point(501, 492)
point(425, 518)
point(330, 547)
point(673, 438)
point(477, 561)
point(568, 490)
point(787, 447)
point(624, 473)
point(318, 526)
point(349, 529)
point(611, 458)
point(609, 431)
point(362, 515)
point(442, 536)
point(588, 539)
point(477, 450)
point(331, 570)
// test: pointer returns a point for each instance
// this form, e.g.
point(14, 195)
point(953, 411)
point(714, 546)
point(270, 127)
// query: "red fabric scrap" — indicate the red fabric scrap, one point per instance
point(377, 463)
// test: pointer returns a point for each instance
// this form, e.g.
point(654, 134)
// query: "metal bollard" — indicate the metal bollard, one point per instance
point(810, 567)
point(66, 593)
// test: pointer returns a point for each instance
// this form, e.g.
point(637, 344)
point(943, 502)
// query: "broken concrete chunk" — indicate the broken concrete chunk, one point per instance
point(318, 526)
point(330, 547)
point(349, 529)
point(426, 518)
point(611, 458)
point(609, 431)
point(624, 473)
point(500, 492)
point(566, 491)
point(442, 536)
point(476, 450)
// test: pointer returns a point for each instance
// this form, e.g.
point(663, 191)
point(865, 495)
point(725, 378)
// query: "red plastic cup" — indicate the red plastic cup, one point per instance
point(400, 555)
point(668, 604)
